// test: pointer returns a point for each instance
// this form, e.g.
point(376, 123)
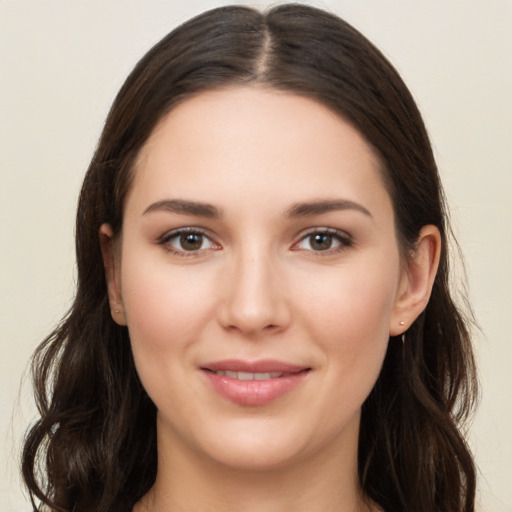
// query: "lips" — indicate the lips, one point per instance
point(253, 383)
point(251, 375)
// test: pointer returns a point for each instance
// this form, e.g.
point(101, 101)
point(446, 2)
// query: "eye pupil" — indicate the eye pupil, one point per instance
point(191, 241)
point(321, 242)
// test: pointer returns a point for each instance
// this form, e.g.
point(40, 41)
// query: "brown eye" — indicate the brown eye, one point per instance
point(191, 241)
point(320, 241)
point(187, 241)
point(326, 240)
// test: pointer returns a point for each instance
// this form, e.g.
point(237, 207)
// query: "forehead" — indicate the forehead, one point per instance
point(240, 142)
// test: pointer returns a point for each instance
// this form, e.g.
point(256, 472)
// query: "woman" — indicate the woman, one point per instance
point(263, 319)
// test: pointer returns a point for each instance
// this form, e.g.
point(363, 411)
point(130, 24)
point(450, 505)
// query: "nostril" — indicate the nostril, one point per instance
point(253, 306)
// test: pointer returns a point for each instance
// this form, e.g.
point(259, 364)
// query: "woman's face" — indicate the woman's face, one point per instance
point(259, 276)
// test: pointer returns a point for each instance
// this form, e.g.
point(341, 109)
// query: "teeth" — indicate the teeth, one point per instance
point(249, 375)
point(263, 376)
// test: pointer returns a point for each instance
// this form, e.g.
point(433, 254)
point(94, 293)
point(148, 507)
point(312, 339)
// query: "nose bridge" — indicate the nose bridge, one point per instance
point(255, 301)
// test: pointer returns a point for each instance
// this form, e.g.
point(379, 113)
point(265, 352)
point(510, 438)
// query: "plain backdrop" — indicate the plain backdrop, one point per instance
point(62, 62)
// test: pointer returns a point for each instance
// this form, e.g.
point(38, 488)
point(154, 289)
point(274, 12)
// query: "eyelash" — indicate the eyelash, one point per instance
point(166, 239)
point(344, 240)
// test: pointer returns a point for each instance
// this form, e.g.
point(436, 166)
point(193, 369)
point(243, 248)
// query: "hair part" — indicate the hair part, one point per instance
point(412, 454)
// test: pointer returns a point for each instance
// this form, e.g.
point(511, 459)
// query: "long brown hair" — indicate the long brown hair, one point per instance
point(94, 447)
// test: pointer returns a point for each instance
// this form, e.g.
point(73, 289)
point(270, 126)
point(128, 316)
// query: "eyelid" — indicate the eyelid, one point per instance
point(169, 235)
point(346, 240)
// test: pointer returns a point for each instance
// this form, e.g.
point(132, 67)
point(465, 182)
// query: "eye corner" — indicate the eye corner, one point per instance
point(329, 241)
point(174, 242)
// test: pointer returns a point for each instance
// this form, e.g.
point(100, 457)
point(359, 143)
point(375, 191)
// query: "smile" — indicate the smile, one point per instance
point(250, 376)
point(253, 383)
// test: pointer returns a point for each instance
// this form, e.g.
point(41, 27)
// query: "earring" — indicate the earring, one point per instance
point(402, 323)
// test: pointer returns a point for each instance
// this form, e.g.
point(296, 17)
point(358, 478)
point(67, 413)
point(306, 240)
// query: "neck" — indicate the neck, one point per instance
point(189, 482)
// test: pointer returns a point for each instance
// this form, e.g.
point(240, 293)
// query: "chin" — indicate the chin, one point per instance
point(256, 457)
point(269, 442)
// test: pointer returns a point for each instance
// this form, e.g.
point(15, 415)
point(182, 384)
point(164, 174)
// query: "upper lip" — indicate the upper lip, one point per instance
point(261, 366)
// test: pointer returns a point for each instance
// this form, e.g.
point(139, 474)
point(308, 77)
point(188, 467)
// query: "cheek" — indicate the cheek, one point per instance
point(350, 319)
point(165, 306)
point(352, 304)
point(166, 310)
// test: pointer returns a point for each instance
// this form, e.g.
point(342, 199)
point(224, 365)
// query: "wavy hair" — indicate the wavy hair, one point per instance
point(94, 446)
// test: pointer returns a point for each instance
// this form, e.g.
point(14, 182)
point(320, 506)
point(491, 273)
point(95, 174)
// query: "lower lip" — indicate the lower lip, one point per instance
point(254, 392)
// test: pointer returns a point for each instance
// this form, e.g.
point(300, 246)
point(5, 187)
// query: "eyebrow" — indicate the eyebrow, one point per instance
point(324, 206)
point(210, 211)
point(185, 208)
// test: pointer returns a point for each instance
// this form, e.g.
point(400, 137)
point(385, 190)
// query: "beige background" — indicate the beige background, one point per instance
point(61, 64)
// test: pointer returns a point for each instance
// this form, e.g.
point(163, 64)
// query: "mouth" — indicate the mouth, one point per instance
point(254, 383)
point(251, 375)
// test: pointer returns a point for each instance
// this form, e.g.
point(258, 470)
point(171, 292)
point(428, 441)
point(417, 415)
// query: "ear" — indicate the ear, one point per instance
point(417, 280)
point(112, 274)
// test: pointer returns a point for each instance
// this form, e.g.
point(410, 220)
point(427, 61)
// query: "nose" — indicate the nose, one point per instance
point(254, 300)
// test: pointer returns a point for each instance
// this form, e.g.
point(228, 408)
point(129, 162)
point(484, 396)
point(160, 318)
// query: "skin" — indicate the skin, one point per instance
point(258, 286)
